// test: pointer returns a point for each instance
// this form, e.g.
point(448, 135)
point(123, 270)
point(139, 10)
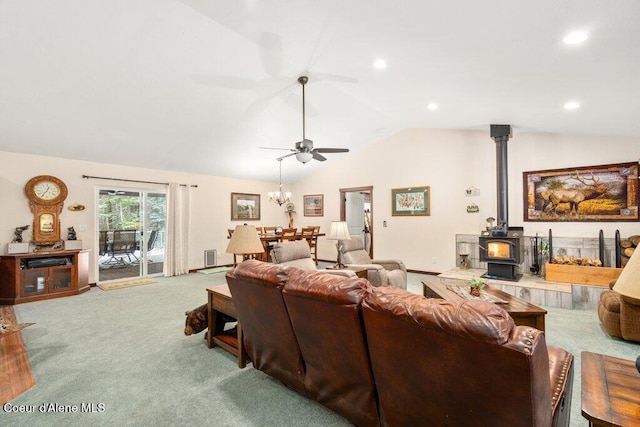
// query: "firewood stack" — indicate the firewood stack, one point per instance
point(572, 260)
point(627, 247)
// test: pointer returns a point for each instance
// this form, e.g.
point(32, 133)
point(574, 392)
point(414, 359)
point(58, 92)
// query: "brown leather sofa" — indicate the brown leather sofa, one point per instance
point(383, 356)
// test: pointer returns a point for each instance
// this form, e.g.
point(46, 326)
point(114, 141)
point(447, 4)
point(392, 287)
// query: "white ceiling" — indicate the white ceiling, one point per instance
point(199, 85)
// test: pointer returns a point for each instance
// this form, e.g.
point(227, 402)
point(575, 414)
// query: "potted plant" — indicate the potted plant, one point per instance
point(475, 286)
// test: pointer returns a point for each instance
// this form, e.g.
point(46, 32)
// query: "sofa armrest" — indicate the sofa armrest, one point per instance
point(342, 272)
point(390, 264)
point(561, 376)
point(368, 267)
point(612, 283)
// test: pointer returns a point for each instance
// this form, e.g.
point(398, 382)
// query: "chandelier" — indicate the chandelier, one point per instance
point(280, 197)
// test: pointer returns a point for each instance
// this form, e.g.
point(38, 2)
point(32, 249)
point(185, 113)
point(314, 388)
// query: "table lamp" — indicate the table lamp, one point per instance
point(339, 230)
point(245, 241)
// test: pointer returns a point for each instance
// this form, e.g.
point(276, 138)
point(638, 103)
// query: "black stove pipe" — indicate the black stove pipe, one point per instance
point(501, 134)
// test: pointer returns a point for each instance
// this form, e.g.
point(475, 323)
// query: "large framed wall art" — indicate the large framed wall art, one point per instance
point(245, 206)
point(413, 201)
point(585, 193)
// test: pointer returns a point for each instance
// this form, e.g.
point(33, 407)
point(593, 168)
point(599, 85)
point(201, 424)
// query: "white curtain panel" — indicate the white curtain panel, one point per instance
point(177, 245)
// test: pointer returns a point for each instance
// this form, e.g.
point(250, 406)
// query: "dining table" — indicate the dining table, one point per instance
point(268, 239)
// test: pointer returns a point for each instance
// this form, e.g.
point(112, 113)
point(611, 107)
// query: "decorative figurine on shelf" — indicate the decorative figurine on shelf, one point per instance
point(71, 233)
point(18, 234)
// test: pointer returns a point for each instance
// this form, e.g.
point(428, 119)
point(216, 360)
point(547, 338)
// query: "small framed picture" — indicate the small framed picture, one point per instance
point(413, 201)
point(245, 206)
point(314, 205)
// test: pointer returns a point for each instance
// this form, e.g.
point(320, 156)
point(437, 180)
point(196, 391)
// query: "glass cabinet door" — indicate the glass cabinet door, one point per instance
point(60, 279)
point(34, 282)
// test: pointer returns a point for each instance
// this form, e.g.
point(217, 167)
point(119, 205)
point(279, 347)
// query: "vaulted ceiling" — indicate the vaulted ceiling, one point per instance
point(200, 85)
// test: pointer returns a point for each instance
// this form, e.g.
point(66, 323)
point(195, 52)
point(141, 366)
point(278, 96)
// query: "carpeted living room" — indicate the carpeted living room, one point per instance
point(125, 352)
point(464, 174)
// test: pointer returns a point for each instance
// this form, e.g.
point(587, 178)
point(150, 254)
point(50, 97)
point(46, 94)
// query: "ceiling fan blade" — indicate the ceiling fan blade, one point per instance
point(331, 150)
point(318, 156)
point(288, 155)
point(276, 148)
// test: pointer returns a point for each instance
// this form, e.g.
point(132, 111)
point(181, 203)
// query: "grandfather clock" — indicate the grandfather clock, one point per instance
point(46, 196)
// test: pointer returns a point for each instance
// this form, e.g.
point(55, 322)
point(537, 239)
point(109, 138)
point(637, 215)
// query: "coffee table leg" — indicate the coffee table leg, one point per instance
point(211, 321)
point(242, 354)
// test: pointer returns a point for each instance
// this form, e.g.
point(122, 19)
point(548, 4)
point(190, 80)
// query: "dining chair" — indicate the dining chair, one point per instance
point(310, 234)
point(288, 234)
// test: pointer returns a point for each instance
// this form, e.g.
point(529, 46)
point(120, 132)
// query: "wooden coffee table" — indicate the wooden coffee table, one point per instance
point(610, 391)
point(522, 312)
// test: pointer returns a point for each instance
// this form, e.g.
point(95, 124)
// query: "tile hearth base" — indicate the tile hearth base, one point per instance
point(535, 290)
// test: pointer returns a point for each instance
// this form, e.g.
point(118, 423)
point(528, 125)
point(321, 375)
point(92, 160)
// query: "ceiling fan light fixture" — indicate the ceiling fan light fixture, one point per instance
point(304, 157)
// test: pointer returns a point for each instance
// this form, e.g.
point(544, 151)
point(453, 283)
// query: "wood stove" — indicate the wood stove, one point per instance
point(502, 254)
point(501, 246)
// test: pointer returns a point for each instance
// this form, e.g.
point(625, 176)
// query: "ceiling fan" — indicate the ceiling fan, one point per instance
point(304, 150)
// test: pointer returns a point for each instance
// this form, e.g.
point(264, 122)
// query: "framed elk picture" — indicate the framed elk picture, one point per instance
point(586, 193)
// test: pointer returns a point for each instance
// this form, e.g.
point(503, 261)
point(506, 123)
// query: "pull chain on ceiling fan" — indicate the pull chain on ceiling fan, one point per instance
point(304, 150)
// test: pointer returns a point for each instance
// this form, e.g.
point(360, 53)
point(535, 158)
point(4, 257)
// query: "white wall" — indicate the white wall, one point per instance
point(210, 202)
point(447, 161)
point(450, 162)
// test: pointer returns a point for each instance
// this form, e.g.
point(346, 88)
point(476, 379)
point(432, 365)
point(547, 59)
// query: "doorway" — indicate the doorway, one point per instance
point(356, 208)
point(131, 233)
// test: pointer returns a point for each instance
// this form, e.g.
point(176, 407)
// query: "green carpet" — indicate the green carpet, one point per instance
point(127, 351)
point(215, 270)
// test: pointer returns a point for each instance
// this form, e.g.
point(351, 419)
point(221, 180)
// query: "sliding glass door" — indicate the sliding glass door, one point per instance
point(131, 233)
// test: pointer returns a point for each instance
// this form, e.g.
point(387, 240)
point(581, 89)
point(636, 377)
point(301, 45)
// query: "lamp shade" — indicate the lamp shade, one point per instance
point(339, 230)
point(245, 240)
point(628, 284)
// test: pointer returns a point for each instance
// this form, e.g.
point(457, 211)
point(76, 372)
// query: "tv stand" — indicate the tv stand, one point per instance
point(43, 275)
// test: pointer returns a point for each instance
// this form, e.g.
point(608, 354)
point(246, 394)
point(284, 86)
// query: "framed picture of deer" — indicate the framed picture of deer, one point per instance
point(585, 193)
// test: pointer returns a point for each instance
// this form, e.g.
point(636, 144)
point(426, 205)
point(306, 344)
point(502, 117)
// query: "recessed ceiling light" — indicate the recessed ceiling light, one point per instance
point(571, 105)
point(576, 37)
point(432, 106)
point(380, 64)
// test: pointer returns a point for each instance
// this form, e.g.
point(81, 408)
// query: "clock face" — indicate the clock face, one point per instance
point(46, 190)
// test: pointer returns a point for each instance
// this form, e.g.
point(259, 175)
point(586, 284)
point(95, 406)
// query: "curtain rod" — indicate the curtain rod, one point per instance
point(134, 180)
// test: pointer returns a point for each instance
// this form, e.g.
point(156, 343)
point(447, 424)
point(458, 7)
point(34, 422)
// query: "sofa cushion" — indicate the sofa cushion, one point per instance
point(454, 363)
point(325, 311)
point(289, 251)
point(269, 339)
point(477, 320)
point(353, 252)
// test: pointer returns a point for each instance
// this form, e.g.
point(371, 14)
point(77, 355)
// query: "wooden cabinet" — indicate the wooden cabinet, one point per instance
point(43, 275)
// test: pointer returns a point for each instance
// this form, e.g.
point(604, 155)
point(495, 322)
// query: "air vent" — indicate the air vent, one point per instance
point(211, 258)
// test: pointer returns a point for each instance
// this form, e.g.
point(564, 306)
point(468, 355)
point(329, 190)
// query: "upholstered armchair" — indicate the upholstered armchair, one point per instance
point(619, 314)
point(619, 307)
point(381, 272)
point(296, 253)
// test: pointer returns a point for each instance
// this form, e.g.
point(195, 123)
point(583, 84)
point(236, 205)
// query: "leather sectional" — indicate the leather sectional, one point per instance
point(386, 357)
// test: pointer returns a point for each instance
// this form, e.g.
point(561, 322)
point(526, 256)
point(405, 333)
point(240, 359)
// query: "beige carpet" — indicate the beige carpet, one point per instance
point(125, 284)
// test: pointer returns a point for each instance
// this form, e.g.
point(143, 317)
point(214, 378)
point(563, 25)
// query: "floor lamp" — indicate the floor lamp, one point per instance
point(339, 230)
point(245, 241)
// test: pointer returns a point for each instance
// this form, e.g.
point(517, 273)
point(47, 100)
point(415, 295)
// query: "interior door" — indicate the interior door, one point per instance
point(356, 208)
point(131, 229)
point(354, 214)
